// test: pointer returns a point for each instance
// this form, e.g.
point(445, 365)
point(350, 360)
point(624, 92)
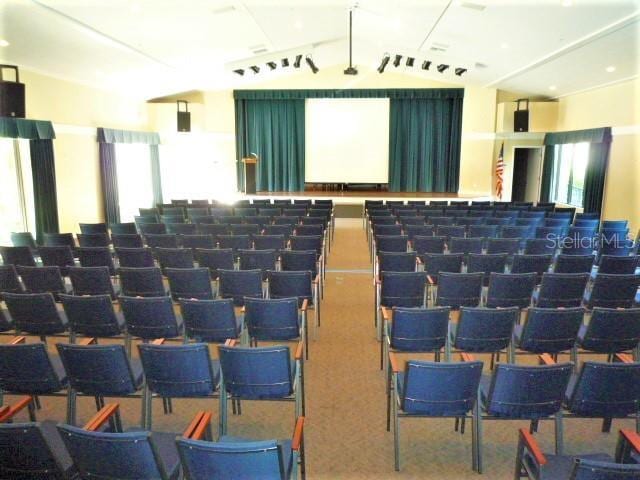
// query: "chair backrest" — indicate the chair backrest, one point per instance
point(428, 244)
point(42, 279)
point(269, 242)
point(209, 320)
point(39, 378)
point(135, 257)
point(263, 260)
point(613, 291)
point(182, 228)
point(402, 289)
point(9, 281)
point(307, 242)
point(175, 258)
point(237, 284)
point(93, 239)
point(486, 231)
point(150, 318)
point(618, 265)
point(485, 329)
point(539, 246)
point(28, 455)
point(152, 228)
point(527, 263)
point(527, 392)
point(161, 240)
point(608, 390)
point(215, 259)
point(397, 261)
point(229, 460)
point(101, 454)
point(179, 370)
point(486, 263)
point(59, 240)
point(128, 228)
point(142, 282)
point(293, 283)
point(23, 239)
point(194, 241)
point(299, 260)
point(457, 290)
point(256, 373)
point(34, 313)
point(550, 330)
point(588, 469)
point(189, 283)
point(59, 256)
point(510, 246)
point(20, 256)
point(148, 212)
point(91, 315)
point(419, 329)
point(440, 389)
point(127, 240)
point(91, 281)
point(612, 330)
point(562, 290)
point(510, 289)
point(234, 242)
point(96, 257)
point(435, 263)
point(214, 229)
point(98, 369)
point(272, 319)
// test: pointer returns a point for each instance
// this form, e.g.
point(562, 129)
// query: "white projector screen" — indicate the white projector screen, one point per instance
point(347, 140)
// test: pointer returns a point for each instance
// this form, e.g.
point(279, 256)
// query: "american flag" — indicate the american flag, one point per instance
point(499, 172)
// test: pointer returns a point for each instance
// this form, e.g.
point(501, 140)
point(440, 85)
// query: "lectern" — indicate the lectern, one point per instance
point(250, 165)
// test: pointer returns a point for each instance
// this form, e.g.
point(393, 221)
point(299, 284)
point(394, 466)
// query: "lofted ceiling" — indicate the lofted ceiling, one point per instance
point(152, 48)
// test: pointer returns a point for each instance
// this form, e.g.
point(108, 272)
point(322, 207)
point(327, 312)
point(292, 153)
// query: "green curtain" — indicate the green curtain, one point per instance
point(424, 144)
point(274, 130)
point(591, 135)
point(547, 173)
point(43, 170)
point(28, 129)
point(393, 93)
point(595, 176)
point(109, 135)
point(156, 178)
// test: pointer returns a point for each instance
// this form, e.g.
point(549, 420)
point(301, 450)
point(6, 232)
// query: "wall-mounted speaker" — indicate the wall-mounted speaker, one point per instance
point(184, 116)
point(521, 117)
point(12, 101)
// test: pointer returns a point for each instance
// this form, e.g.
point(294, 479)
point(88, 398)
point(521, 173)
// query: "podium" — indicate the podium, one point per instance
point(250, 165)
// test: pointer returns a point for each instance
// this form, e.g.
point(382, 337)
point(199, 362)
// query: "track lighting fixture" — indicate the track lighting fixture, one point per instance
point(255, 68)
point(285, 62)
point(297, 61)
point(459, 71)
point(426, 64)
point(384, 62)
point(239, 71)
point(312, 65)
point(396, 60)
point(442, 67)
point(410, 61)
point(272, 65)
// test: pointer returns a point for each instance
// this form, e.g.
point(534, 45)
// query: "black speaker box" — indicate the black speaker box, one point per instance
point(521, 117)
point(184, 118)
point(12, 103)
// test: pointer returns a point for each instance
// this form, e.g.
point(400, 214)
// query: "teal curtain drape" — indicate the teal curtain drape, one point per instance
point(393, 93)
point(591, 135)
point(274, 130)
point(424, 144)
point(28, 129)
point(156, 178)
point(595, 176)
point(109, 178)
point(43, 170)
point(110, 135)
point(547, 173)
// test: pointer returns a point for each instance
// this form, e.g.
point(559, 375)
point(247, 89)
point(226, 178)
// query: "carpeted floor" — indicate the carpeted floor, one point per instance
point(345, 432)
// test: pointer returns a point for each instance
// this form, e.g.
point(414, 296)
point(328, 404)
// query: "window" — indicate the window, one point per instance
point(135, 188)
point(16, 189)
point(569, 167)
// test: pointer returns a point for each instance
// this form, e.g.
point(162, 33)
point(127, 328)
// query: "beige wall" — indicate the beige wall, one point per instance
point(615, 106)
point(76, 111)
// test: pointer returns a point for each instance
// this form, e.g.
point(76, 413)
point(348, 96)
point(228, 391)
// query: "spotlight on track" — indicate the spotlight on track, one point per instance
point(410, 61)
point(442, 67)
point(384, 62)
point(239, 71)
point(297, 61)
point(426, 64)
point(396, 60)
point(272, 65)
point(255, 68)
point(285, 62)
point(312, 65)
point(459, 71)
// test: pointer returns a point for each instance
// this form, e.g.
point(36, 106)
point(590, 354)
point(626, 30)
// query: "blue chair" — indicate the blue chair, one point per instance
point(128, 228)
point(399, 289)
point(269, 242)
point(214, 230)
point(259, 220)
point(413, 231)
point(189, 283)
point(531, 463)
point(59, 240)
point(150, 318)
point(434, 390)
point(613, 264)
point(436, 263)
point(245, 229)
point(300, 284)
point(465, 246)
point(177, 371)
point(215, 259)
point(263, 260)
point(516, 231)
point(510, 290)
point(92, 281)
point(238, 284)
point(23, 239)
point(561, 290)
point(397, 261)
point(142, 282)
point(98, 371)
point(35, 314)
point(318, 230)
point(233, 457)
point(613, 291)
point(93, 240)
point(92, 316)
point(154, 228)
point(510, 246)
point(485, 231)
point(135, 257)
point(457, 290)
point(260, 373)
point(280, 229)
point(127, 240)
point(174, 258)
point(196, 241)
point(9, 280)
point(243, 211)
point(210, 320)
point(182, 228)
point(610, 331)
point(540, 246)
point(161, 240)
point(551, 234)
point(391, 243)
point(234, 242)
point(549, 330)
point(527, 263)
point(42, 280)
point(450, 231)
point(423, 245)
point(21, 256)
point(96, 257)
point(613, 242)
point(487, 264)
point(308, 242)
point(223, 211)
point(148, 212)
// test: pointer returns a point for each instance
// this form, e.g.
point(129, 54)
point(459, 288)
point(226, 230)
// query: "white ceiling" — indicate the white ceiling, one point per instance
point(158, 47)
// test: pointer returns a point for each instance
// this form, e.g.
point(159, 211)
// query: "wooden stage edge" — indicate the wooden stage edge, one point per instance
point(358, 198)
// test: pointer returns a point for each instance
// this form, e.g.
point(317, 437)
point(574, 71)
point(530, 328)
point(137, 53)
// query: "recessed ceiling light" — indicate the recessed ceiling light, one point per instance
point(552, 87)
point(610, 68)
point(4, 43)
point(504, 45)
point(567, 3)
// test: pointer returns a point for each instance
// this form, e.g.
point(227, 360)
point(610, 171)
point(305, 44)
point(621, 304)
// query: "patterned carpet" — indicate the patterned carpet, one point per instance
point(345, 433)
